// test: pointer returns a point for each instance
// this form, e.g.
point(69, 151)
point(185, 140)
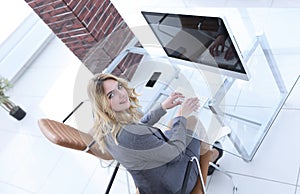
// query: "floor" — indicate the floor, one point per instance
point(30, 164)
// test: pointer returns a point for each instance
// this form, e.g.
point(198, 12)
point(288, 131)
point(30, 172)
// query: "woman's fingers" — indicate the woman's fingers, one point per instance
point(190, 105)
point(192, 101)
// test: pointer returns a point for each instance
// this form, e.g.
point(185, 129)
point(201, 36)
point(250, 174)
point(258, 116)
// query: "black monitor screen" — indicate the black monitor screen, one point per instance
point(204, 40)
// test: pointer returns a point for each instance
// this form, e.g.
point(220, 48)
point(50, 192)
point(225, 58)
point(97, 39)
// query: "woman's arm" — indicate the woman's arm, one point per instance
point(153, 116)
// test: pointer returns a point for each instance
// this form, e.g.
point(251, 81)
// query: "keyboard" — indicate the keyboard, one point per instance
point(189, 94)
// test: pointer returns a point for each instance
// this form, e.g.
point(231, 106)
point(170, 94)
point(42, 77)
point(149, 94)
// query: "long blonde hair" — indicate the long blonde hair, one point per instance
point(105, 119)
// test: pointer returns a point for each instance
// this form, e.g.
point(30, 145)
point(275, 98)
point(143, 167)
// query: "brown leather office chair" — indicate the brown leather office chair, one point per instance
point(69, 137)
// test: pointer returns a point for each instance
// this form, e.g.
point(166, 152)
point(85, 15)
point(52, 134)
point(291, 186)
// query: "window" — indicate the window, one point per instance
point(23, 36)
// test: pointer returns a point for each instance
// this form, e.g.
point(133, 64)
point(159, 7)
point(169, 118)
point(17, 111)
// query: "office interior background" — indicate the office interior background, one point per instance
point(44, 65)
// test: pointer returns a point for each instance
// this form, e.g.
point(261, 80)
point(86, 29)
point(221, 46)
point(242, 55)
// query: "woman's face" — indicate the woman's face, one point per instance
point(116, 94)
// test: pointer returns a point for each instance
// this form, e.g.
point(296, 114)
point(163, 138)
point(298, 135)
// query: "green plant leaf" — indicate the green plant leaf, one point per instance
point(4, 86)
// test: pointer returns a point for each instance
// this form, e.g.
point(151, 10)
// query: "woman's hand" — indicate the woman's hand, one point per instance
point(230, 53)
point(188, 106)
point(214, 48)
point(172, 101)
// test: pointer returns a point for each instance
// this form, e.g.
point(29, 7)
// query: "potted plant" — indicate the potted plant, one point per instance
point(13, 109)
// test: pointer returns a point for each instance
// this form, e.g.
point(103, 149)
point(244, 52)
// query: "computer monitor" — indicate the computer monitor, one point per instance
point(191, 39)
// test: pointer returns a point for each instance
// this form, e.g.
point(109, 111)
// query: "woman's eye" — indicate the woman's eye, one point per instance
point(120, 86)
point(111, 95)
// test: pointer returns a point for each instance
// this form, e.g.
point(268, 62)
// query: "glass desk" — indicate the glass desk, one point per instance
point(246, 108)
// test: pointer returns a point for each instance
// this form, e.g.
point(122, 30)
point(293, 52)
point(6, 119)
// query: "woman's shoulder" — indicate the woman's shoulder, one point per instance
point(135, 129)
point(136, 136)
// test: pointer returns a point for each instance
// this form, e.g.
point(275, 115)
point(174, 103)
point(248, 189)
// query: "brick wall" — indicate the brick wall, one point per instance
point(86, 26)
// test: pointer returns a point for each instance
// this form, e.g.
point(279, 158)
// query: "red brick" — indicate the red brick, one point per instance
point(78, 7)
point(66, 25)
point(82, 24)
point(69, 1)
point(72, 4)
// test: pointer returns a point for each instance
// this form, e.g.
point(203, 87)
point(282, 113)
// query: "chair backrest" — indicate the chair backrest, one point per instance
point(69, 137)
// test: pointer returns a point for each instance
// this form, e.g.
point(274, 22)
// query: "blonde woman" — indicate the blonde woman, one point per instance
point(157, 161)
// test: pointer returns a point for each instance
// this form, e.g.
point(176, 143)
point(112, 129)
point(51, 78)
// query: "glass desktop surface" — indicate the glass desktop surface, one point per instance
point(247, 108)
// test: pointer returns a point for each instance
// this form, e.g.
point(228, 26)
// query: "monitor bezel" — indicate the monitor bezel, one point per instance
point(219, 70)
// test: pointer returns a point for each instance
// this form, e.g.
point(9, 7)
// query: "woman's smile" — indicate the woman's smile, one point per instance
point(117, 95)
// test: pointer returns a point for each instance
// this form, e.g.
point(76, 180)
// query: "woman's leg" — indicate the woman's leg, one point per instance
point(137, 191)
point(204, 160)
point(206, 155)
point(204, 164)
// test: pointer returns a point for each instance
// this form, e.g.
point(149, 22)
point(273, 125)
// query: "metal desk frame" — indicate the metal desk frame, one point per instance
point(260, 40)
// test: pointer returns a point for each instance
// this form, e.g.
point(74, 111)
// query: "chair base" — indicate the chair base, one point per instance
point(227, 174)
